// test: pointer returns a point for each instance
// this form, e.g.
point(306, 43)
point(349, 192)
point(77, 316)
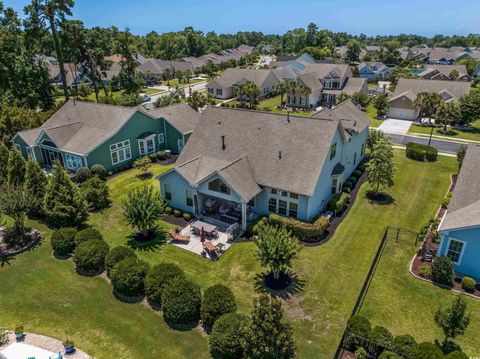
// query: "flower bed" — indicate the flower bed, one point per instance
point(5, 251)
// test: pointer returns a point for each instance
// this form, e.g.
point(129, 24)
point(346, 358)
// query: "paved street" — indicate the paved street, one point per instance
point(440, 145)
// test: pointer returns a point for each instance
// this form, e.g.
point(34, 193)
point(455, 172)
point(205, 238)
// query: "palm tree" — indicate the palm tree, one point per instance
point(454, 74)
point(253, 92)
point(53, 12)
point(292, 87)
point(281, 89)
point(304, 90)
point(427, 104)
point(239, 92)
point(197, 100)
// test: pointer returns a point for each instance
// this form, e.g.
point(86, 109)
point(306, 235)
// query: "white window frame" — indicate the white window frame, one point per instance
point(144, 142)
point(18, 147)
point(464, 244)
point(187, 197)
point(161, 138)
point(118, 147)
point(73, 162)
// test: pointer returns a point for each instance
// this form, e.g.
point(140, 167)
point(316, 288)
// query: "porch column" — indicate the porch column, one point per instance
point(244, 215)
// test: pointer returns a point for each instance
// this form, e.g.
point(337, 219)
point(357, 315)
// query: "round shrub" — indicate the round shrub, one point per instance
point(181, 302)
point(346, 189)
point(226, 337)
point(217, 300)
point(90, 255)
point(162, 155)
point(168, 210)
point(381, 338)
point(177, 213)
point(63, 241)
point(116, 255)
point(83, 174)
point(456, 355)
point(357, 173)
point(87, 234)
point(128, 277)
point(405, 345)
point(389, 355)
point(99, 170)
point(360, 353)
point(352, 179)
point(95, 192)
point(187, 216)
point(468, 284)
point(357, 332)
point(347, 184)
point(158, 277)
point(442, 270)
point(428, 351)
point(153, 157)
point(361, 168)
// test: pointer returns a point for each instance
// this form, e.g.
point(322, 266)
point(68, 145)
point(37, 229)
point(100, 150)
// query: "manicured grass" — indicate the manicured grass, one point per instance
point(473, 135)
point(50, 298)
point(371, 112)
point(270, 105)
point(118, 94)
point(174, 82)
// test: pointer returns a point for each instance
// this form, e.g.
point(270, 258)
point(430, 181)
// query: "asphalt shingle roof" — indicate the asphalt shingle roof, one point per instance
point(455, 88)
point(181, 116)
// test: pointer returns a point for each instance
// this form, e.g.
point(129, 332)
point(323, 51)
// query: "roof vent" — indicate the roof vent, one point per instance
point(279, 155)
point(219, 122)
point(223, 143)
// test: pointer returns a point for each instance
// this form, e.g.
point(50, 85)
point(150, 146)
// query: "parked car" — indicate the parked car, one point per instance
point(144, 97)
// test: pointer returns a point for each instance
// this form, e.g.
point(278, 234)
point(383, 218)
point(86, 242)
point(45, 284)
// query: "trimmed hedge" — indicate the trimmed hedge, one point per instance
point(83, 174)
point(338, 202)
point(99, 170)
point(457, 355)
point(226, 339)
point(95, 191)
point(181, 302)
point(63, 241)
point(446, 200)
point(389, 355)
point(306, 231)
point(158, 277)
point(254, 227)
point(217, 300)
point(90, 255)
point(380, 338)
point(468, 284)
point(428, 350)
point(187, 216)
point(443, 271)
point(357, 332)
point(420, 152)
point(405, 345)
point(128, 277)
point(116, 255)
point(87, 234)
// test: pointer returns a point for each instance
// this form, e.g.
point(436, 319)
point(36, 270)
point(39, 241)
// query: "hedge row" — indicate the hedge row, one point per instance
point(177, 213)
point(338, 202)
point(420, 152)
point(306, 231)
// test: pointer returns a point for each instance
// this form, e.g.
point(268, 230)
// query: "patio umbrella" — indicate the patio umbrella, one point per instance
point(202, 236)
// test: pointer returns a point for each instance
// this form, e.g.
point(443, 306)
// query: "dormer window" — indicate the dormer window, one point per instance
point(333, 151)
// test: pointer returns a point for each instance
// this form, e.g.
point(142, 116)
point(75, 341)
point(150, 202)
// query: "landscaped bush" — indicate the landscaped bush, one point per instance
point(128, 276)
point(158, 277)
point(99, 170)
point(168, 210)
point(425, 270)
point(357, 332)
point(428, 351)
point(254, 227)
point(352, 179)
point(442, 270)
point(360, 353)
point(421, 152)
point(177, 213)
point(217, 300)
point(162, 155)
point(405, 345)
point(87, 234)
point(468, 284)
point(181, 301)
point(389, 355)
point(187, 216)
point(338, 202)
point(63, 241)
point(226, 338)
point(116, 255)
point(90, 255)
point(95, 192)
point(153, 157)
point(306, 231)
point(457, 355)
point(446, 200)
point(361, 168)
point(357, 173)
point(381, 338)
point(83, 174)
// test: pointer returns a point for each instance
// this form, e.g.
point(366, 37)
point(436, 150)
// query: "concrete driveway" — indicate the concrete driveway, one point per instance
point(398, 127)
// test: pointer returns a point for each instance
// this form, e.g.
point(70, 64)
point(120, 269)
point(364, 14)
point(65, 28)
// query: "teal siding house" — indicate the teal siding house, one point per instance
point(81, 134)
point(460, 227)
point(373, 70)
point(240, 164)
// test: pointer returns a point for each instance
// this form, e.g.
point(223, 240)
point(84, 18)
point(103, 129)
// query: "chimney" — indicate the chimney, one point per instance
point(223, 143)
point(279, 155)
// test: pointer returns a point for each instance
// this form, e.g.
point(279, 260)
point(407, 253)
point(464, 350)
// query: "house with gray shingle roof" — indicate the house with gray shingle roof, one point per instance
point(373, 70)
point(400, 105)
point(81, 134)
point(239, 164)
point(443, 72)
point(460, 227)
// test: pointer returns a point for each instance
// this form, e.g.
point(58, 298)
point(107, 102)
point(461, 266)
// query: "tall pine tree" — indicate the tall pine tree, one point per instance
point(35, 185)
point(64, 205)
point(15, 169)
point(3, 163)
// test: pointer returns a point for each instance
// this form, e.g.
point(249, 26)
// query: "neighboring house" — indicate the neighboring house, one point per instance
point(311, 99)
point(477, 71)
point(439, 55)
point(81, 134)
point(156, 68)
point(400, 106)
point(373, 70)
point(219, 57)
point(460, 227)
point(443, 72)
point(223, 87)
point(240, 164)
point(75, 74)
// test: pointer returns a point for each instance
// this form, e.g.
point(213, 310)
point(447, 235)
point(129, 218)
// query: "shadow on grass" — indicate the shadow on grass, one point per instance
point(296, 285)
point(180, 327)
point(380, 198)
point(152, 242)
point(6, 260)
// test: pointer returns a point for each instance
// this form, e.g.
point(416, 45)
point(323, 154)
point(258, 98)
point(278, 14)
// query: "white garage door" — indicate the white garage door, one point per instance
point(401, 113)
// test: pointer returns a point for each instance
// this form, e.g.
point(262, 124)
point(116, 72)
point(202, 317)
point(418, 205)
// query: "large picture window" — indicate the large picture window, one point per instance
point(455, 249)
point(73, 162)
point(120, 152)
point(218, 186)
point(293, 209)
point(146, 145)
point(282, 207)
point(272, 205)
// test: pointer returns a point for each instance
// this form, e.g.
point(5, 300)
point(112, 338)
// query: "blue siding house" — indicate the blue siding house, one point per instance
point(373, 70)
point(460, 227)
point(239, 164)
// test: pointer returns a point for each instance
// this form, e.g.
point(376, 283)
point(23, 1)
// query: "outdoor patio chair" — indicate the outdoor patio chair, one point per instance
point(179, 237)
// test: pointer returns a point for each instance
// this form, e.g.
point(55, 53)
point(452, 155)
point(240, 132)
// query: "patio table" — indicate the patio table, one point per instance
point(207, 227)
point(209, 246)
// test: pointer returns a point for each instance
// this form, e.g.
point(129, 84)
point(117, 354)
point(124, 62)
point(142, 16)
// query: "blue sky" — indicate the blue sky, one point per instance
point(424, 17)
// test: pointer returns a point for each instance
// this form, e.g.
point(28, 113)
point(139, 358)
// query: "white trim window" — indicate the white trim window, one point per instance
point(455, 250)
point(18, 147)
point(120, 152)
point(189, 197)
point(146, 145)
point(161, 138)
point(73, 162)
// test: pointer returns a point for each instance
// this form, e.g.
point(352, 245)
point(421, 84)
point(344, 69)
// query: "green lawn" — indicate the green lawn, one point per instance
point(371, 112)
point(118, 94)
point(50, 298)
point(473, 135)
point(270, 105)
point(174, 82)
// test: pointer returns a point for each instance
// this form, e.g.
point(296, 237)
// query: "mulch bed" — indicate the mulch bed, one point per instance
point(178, 221)
point(5, 251)
point(337, 220)
point(284, 281)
